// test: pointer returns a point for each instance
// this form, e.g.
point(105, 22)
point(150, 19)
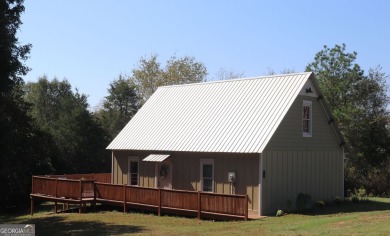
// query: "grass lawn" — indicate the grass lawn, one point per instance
point(364, 218)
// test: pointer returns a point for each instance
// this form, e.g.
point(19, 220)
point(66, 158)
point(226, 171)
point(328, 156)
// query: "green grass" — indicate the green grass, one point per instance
point(364, 218)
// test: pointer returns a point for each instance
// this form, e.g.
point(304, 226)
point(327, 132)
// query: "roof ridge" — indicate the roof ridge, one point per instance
point(234, 80)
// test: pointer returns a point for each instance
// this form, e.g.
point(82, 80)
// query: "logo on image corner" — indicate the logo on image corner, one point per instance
point(28, 229)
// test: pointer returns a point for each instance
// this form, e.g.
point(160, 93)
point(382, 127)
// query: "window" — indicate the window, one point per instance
point(307, 119)
point(133, 171)
point(207, 175)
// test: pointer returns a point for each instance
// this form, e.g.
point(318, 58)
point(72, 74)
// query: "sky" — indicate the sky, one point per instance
point(91, 42)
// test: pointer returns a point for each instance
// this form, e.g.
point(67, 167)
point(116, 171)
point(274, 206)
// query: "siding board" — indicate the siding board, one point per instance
point(322, 183)
point(285, 175)
point(290, 177)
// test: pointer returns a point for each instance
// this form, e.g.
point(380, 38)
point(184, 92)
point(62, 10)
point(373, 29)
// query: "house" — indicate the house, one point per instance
point(269, 137)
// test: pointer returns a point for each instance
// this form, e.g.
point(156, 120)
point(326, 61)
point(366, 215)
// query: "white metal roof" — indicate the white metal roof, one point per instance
point(156, 157)
point(238, 116)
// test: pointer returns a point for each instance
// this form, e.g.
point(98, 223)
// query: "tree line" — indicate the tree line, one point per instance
point(359, 102)
point(46, 126)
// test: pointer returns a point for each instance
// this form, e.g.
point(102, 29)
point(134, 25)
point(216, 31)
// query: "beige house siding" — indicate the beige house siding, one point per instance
point(187, 166)
point(294, 164)
point(186, 172)
point(288, 135)
point(318, 173)
point(120, 169)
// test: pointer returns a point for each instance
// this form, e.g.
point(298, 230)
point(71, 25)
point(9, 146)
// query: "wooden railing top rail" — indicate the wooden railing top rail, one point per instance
point(60, 179)
point(140, 187)
point(178, 190)
point(98, 177)
point(76, 175)
point(223, 194)
point(53, 178)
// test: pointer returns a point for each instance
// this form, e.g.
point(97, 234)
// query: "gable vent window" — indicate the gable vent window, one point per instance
point(307, 119)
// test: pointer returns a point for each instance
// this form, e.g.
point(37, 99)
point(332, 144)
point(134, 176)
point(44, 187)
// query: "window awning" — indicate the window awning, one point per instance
point(156, 157)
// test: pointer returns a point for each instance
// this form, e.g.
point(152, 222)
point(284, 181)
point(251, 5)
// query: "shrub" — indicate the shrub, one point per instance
point(354, 199)
point(358, 195)
point(337, 200)
point(362, 194)
point(279, 213)
point(303, 202)
point(320, 204)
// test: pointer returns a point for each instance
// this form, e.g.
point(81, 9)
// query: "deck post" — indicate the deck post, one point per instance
point(199, 204)
point(32, 200)
point(246, 207)
point(94, 194)
point(81, 196)
point(55, 202)
point(56, 188)
point(124, 198)
point(159, 202)
point(32, 184)
point(32, 206)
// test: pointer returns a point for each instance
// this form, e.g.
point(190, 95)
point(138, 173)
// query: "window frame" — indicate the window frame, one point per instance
point(129, 161)
point(202, 163)
point(309, 104)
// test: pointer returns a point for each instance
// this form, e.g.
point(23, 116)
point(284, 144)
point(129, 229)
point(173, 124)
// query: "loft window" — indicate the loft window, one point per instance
point(207, 175)
point(307, 119)
point(133, 171)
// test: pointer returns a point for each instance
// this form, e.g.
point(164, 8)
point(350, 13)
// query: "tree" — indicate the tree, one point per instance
point(79, 141)
point(119, 106)
point(149, 75)
point(128, 93)
point(184, 70)
point(270, 71)
point(20, 140)
point(225, 74)
point(359, 104)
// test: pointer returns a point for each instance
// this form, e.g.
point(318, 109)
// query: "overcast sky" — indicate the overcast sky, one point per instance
point(91, 42)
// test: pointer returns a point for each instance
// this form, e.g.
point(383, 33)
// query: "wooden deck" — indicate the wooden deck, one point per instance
point(82, 189)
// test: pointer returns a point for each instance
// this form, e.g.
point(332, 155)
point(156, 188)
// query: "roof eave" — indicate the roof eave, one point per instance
point(332, 121)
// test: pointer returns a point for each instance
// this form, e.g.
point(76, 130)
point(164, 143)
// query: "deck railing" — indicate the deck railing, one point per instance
point(142, 195)
point(109, 191)
point(180, 199)
point(98, 177)
point(200, 204)
point(65, 188)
